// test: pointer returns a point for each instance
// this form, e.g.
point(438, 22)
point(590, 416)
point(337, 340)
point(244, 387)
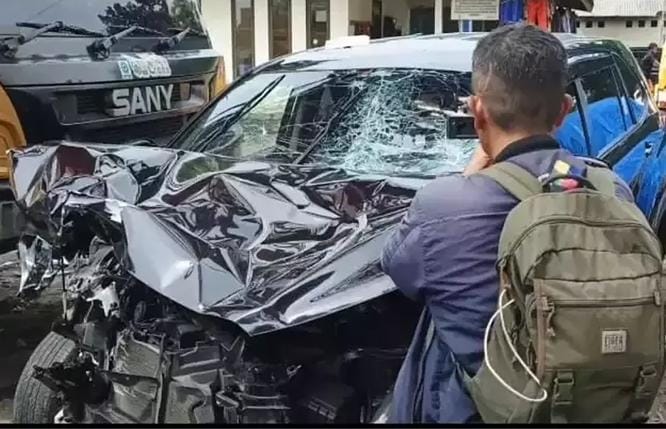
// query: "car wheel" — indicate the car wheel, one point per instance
point(33, 401)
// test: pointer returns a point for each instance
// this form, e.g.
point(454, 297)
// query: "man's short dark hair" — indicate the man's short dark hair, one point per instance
point(653, 46)
point(520, 72)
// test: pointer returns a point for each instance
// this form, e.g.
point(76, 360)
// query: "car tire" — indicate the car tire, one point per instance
point(34, 403)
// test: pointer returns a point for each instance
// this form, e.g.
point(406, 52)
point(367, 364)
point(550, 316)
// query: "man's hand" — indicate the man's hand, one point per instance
point(479, 161)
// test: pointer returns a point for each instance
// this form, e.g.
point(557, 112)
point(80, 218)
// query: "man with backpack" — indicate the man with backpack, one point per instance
point(540, 278)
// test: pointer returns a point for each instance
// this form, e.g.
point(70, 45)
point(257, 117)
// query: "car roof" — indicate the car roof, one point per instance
point(447, 51)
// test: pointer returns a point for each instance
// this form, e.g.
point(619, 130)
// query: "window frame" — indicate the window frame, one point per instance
point(308, 24)
point(581, 105)
point(629, 24)
point(585, 67)
point(270, 28)
point(234, 55)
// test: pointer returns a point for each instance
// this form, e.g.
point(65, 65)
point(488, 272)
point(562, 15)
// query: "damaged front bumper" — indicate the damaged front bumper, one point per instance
point(199, 290)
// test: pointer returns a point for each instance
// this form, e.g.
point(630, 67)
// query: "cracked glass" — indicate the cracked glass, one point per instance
point(392, 122)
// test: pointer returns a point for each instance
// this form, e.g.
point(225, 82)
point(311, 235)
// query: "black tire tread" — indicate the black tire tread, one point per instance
point(33, 401)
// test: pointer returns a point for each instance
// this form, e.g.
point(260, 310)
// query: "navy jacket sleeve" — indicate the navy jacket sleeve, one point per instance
point(402, 258)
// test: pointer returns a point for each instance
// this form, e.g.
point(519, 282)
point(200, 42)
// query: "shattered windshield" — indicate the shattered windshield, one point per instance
point(393, 122)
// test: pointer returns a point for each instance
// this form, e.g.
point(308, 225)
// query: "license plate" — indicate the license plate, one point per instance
point(140, 100)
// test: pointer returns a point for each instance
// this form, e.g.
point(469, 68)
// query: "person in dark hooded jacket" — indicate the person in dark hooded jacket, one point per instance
point(444, 252)
point(650, 65)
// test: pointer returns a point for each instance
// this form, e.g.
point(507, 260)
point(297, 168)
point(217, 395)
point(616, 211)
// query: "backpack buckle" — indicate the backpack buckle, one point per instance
point(646, 386)
point(647, 381)
point(563, 390)
point(562, 397)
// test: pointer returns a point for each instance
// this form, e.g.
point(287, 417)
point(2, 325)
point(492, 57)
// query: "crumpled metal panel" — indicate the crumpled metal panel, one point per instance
point(265, 246)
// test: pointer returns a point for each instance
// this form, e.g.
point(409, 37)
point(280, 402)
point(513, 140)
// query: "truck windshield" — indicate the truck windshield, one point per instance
point(104, 16)
point(392, 122)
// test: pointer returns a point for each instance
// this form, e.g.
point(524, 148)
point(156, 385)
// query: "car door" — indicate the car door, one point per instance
point(619, 122)
point(644, 164)
point(630, 157)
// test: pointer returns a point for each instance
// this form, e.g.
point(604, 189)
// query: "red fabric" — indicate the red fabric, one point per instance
point(538, 13)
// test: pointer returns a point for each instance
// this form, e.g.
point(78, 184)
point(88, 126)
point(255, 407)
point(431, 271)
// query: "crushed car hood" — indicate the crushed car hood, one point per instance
point(265, 246)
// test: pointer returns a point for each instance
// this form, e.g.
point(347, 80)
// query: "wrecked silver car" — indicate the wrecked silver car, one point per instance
point(233, 277)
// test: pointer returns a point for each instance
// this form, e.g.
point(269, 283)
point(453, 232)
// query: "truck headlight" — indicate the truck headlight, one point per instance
point(220, 81)
point(11, 132)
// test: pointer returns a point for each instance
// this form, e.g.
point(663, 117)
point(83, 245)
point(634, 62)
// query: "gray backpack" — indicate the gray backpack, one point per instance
point(578, 336)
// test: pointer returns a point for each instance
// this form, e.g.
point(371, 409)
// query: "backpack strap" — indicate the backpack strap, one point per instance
point(522, 184)
point(516, 180)
point(603, 179)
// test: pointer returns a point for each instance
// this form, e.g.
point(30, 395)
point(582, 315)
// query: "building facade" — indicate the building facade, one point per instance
point(251, 32)
point(636, 22)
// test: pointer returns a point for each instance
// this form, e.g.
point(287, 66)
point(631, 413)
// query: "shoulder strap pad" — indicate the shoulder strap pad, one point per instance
point(516, 180)
point(603, 179)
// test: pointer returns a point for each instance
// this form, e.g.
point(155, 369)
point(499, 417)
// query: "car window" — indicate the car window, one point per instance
point(571, 134)
point(387, 121)
point(637, 98)
point(607, 116)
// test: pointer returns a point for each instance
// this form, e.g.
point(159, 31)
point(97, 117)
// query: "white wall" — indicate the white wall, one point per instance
point(439, 16)
point(299, 29)
point(217, 18)
point(617, 29)
point(261, 37)
point(339, 20)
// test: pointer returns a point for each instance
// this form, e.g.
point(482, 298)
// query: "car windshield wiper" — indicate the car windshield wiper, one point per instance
point(62, 28)
point(171, 42)
point(191, 32)
point(138, 29)
point(101, 49)
point(9, 46)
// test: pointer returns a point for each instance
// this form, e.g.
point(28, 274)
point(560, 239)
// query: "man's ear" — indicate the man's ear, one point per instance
point(567, 107)
point(478, 110)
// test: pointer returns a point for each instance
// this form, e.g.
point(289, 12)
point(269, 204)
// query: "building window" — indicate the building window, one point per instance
point(448, 25)
point(484, 25)
point(641, 23)
point(654, 23)
point(601, 24)
point(422, 18)
point(577, 24)
point(588, 24)
point(279, 27)
point(630, 24)
point(318, 23)
point(242, 17)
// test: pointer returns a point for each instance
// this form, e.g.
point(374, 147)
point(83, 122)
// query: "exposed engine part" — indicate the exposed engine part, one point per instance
point(328, 402)
point(151, 361)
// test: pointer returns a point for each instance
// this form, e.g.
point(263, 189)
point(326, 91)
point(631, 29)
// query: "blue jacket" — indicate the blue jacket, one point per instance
point(444, 254)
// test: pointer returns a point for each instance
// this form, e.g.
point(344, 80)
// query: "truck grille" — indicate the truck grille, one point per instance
point(160, 130)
